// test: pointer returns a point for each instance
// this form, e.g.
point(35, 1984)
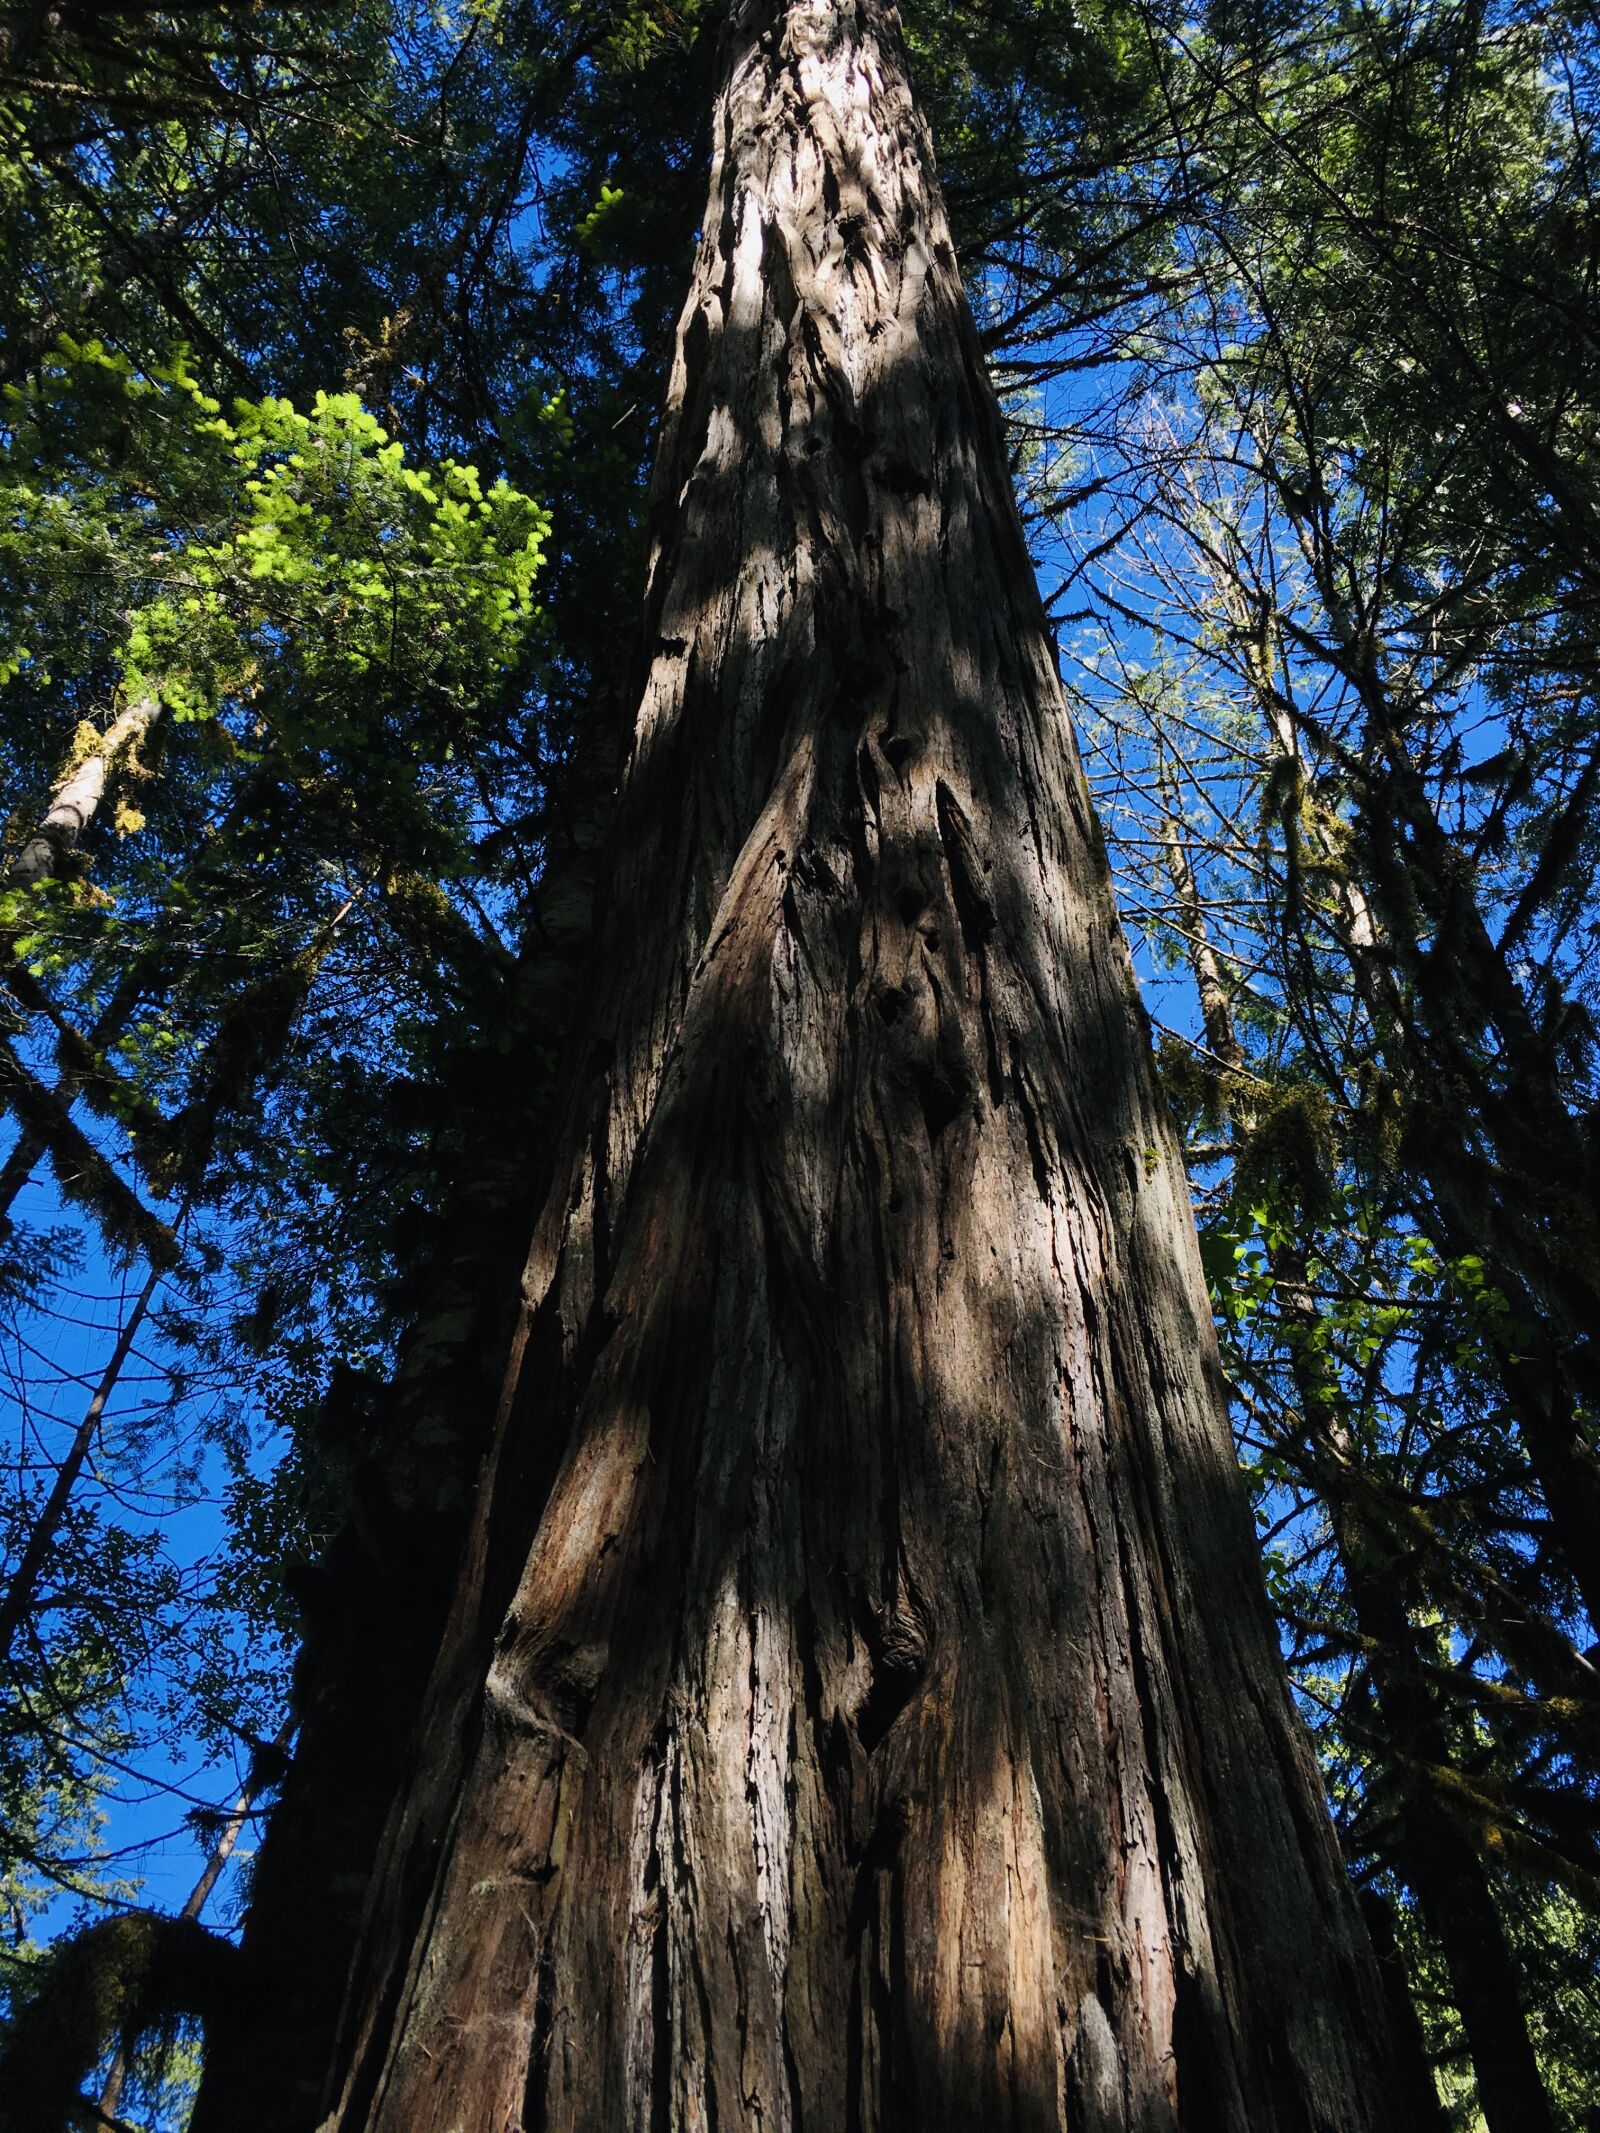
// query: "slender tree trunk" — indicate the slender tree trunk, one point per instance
point(880, 1726)
point(110, 2099)
point(20, 1593)
point(1477, 1201)
point(1216, 1008)
point(1506, 1171)
point(1438, 1859)
point(77, 798)
point(1415, 2073)
point(43, 1114)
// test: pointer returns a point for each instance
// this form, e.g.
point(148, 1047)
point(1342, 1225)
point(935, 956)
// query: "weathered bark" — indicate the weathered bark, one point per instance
point(882, 1726)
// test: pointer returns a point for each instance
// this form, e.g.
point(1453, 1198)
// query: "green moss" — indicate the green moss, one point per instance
point(125, 1978)
point(1288, 1155)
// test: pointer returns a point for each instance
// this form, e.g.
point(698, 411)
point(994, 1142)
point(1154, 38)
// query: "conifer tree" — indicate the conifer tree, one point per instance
point(859, 1707)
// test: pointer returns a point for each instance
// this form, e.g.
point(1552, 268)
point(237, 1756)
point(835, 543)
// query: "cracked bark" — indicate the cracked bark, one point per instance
point(862, 1710)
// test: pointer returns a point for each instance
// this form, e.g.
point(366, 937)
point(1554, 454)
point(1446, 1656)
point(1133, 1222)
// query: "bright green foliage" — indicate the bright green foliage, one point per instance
point(207, 559)
point(331, 615)
point(641, 29)
point(280, 897)
point(331, 632)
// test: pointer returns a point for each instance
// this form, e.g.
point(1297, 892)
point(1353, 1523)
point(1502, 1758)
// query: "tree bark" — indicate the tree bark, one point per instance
point(76, 800)
point(374, 1605)
point(865, 1713)
point(371, 1611)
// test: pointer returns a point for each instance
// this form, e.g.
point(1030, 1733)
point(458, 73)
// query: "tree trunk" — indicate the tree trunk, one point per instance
point(1435, 1855)
point(1504, 1168)
point(222, 1849)
point(77, 798)
point(374, 1605)
point(1414, 2072)
point(21, 1592)
point(1437, 1858)
point(371, 1611)
point(882, 1725)
point(79, 1062)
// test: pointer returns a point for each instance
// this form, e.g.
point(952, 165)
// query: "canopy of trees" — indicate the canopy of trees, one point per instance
point(332, 347)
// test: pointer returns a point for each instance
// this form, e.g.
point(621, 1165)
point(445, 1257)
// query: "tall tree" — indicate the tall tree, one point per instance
point(859, 1708)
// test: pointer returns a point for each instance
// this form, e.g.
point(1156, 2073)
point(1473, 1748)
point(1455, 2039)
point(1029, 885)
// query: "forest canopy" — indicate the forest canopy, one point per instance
point(333, 346)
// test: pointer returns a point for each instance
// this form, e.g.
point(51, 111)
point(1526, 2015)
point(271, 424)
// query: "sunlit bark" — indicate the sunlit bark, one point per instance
point(863, 1711)
point(77, 798)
